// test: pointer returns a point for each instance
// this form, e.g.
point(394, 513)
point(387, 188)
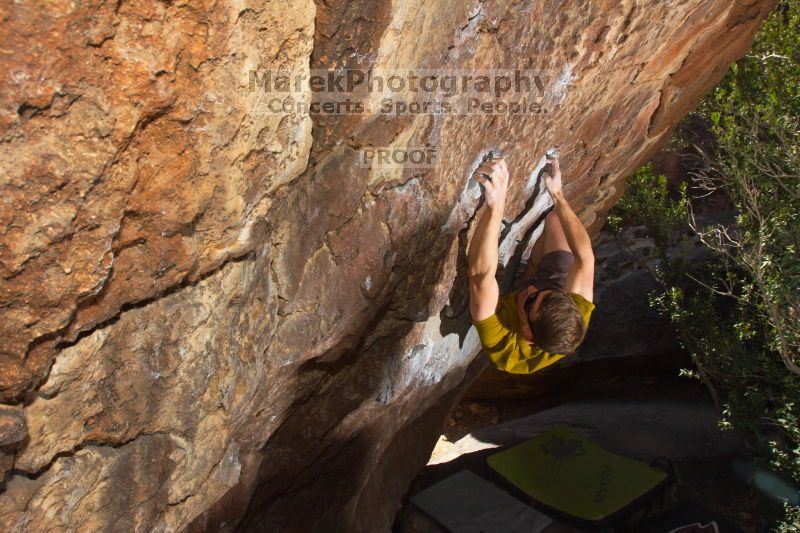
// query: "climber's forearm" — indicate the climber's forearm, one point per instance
point(577, 236)
point(483, 248)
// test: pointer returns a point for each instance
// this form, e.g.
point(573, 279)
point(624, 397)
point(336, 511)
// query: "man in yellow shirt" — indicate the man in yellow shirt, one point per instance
point(545, 316)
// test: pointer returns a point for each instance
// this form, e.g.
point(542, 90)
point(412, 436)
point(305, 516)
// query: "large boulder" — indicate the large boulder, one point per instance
point(215, 316)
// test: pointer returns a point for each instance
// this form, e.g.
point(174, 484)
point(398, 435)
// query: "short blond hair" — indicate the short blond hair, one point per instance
point(559, 328)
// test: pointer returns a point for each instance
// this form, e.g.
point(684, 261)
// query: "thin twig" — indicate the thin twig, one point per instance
point(712, 289)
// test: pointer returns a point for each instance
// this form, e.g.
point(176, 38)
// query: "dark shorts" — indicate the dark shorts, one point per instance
point(552, 273)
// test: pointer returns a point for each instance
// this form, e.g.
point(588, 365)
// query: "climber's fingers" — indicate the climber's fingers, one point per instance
point(556, 166)
point(496, 171)
point(487, 171)
point(552, 183)
point(482, 179)
point(503, 168)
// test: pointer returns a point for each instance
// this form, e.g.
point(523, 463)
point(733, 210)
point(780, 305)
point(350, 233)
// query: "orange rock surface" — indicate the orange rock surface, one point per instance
point(213, 315)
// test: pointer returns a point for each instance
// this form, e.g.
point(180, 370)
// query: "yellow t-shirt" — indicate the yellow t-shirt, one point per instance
point(507, 348)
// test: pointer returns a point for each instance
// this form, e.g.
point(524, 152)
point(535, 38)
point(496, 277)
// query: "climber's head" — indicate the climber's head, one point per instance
point(555, 321)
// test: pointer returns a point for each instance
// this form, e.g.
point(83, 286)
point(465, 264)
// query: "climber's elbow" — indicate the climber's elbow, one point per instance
point(585, 255)
point(582, 249)
point(477, 271)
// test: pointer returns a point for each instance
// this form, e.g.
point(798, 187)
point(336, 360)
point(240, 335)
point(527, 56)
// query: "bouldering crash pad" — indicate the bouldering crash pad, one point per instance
point(576, 480)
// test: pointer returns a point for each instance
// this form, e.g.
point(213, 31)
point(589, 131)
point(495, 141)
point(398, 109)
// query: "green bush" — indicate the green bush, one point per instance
point(737, 309)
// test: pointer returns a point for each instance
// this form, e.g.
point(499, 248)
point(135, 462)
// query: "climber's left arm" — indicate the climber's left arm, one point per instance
point(483, 248)
point(580, 278)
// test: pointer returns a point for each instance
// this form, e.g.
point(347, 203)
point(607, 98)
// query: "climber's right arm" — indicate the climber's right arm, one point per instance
point(483, 253)
point(483, 248)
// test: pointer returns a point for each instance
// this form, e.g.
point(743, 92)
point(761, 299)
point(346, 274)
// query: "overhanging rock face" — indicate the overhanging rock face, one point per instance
point(214, 316)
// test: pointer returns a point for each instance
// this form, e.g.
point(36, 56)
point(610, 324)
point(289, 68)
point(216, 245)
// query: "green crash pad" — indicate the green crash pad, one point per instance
point(574, 477)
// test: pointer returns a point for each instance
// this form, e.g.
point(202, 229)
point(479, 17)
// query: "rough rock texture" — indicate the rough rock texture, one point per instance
point(213, 317)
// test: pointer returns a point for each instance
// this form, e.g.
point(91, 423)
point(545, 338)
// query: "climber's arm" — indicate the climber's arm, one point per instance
point(483, 255)
point(483, 248)
point(580, 278)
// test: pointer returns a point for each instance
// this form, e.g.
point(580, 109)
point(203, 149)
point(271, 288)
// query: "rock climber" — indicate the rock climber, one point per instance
point(543, 317)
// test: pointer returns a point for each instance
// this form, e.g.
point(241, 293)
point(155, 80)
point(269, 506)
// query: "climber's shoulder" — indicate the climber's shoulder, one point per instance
point(499, 326)
point(580, 278)
point(584, 306)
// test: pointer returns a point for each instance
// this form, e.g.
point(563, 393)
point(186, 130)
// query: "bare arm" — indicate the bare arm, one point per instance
point(483, 248)
point(577, 237)
point(580, 279)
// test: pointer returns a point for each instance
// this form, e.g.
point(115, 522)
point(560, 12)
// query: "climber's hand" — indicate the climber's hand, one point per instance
point(553, 182)
point(496, 185)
